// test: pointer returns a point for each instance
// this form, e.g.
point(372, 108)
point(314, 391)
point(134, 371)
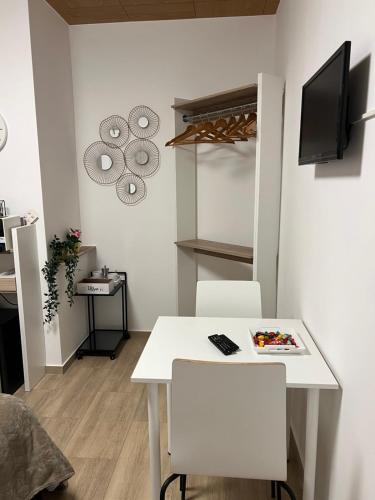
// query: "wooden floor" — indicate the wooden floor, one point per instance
point(99, 419)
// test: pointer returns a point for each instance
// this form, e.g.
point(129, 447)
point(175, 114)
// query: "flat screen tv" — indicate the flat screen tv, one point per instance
point(324, 132)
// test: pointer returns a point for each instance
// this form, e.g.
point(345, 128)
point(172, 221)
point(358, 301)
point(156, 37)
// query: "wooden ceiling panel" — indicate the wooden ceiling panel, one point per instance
point(90, 11)
point(152, 12)
point(223, 8)
point(127, 3)
point(106, 11)
point(76, 4)
point(97, 15)
point(271, 6)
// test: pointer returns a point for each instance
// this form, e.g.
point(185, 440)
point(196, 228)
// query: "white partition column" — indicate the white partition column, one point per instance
point(30, 308)
point(268, 188)
point(186, 201)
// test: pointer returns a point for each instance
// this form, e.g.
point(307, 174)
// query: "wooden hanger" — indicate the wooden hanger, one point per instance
point(191, 130)
point(234, 125)
point(243, 128)
point(214, 133)
point(221, 132)
point(248, 128)
point(201, 133)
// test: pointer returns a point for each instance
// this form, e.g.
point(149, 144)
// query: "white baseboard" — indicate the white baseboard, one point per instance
point(60, 369)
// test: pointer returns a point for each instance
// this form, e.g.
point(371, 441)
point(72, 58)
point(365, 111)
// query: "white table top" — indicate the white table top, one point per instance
point(186, 337)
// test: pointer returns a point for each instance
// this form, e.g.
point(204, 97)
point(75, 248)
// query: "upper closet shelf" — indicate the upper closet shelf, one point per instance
point(222, 100)
point(217, 249)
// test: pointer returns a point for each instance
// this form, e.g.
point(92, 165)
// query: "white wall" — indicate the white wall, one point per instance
point(118, 66)
point(20, 181)
point(327, 266)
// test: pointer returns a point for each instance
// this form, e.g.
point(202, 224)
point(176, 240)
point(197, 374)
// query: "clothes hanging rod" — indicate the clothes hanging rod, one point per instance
point(221, 113)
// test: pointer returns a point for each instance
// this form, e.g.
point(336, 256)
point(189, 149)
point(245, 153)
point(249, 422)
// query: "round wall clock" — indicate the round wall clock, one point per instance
point(3, 133)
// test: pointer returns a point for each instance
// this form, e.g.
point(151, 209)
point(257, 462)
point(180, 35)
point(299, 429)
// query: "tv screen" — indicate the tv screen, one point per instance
point(324, 122)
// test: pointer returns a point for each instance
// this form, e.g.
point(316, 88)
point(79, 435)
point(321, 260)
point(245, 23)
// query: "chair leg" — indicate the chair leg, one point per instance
point(278, 489)
point(273, 489)
point(183, 486)
point(288, 489)
point(166, 483)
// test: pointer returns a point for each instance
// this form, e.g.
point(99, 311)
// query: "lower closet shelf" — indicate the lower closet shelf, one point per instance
point(217, 249)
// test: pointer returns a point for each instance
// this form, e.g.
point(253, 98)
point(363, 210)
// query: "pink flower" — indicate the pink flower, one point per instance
point(76, 233)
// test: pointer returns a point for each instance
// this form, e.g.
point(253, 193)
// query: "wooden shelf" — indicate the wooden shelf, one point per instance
point(214, 102)
point(8, 285)
point(222, 250)
point(86, 249)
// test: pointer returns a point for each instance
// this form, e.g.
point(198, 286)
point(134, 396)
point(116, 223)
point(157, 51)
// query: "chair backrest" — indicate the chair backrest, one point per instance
point(231, 299)
point(229, 419)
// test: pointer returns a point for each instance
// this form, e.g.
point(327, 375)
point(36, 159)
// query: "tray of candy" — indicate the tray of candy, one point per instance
point(274, 340)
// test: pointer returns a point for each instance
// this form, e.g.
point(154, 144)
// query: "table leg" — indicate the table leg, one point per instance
point(154, 440)
point(288, 418)
point(169, 415)
point(312, 421)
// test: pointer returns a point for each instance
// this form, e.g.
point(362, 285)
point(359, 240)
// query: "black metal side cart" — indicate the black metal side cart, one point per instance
point(105, 342)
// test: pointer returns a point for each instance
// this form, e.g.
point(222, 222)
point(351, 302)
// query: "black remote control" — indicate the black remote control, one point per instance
point(225, 345)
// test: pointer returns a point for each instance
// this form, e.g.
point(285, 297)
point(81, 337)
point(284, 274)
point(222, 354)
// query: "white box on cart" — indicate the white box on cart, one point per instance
point(95, 286)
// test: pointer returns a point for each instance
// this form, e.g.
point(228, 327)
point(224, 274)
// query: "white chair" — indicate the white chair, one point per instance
point(231, 299)
point(228, 419)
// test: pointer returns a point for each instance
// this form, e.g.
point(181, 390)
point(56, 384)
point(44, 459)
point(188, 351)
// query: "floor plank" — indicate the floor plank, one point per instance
point(99, 419)
point(90, 481)
point(60, 429)
point(102, 432)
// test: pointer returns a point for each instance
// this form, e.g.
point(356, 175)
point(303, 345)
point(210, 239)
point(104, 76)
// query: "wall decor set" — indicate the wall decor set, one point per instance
point(114, 160)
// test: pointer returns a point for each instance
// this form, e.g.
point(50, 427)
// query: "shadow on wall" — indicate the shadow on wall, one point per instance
point(352, 163)
point(330, 406)
point(235, 157)
point(329, 416)
point(217, 269)
point(356, 481)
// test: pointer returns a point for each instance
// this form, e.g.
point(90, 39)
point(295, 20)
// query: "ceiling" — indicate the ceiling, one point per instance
point(110, 11)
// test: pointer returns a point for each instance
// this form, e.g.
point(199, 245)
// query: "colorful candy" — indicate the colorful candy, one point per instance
point(262, 339)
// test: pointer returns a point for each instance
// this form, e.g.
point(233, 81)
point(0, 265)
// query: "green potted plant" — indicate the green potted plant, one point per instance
point(62, 252)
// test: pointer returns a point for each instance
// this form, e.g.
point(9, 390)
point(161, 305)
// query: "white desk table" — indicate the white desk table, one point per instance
point(186, 337)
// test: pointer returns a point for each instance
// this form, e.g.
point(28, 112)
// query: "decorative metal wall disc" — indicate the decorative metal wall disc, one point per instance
point(103, 163)
point(142, 157)
point(114, 131)
point(143, 122)
point(131, 189)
